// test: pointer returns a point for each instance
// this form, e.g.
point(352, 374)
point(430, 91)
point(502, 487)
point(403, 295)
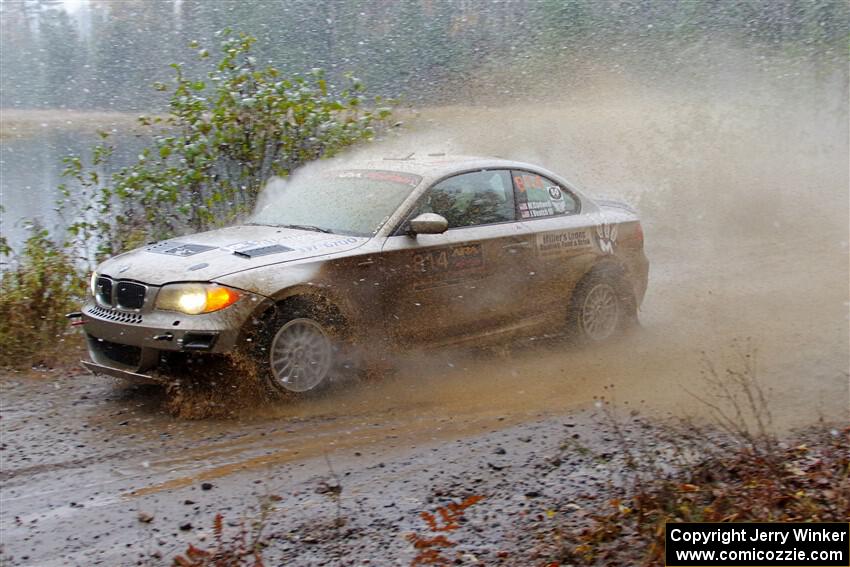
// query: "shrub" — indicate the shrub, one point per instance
point(37, 289)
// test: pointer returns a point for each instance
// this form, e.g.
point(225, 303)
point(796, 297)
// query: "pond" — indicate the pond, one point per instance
point(31, 153)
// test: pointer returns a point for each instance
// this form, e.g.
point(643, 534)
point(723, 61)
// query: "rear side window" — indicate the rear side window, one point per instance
point(472, 199)
point(539, 197)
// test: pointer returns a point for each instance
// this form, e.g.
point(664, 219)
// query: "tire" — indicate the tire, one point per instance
point(601, 308)
point(299, 351)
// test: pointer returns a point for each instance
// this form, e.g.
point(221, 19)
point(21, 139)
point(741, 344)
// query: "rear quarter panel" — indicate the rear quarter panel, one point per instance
point(619, 238)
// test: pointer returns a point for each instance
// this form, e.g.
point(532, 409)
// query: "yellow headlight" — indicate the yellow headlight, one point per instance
point(195, 298)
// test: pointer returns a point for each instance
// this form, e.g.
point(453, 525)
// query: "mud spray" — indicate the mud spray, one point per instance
point(739, 169)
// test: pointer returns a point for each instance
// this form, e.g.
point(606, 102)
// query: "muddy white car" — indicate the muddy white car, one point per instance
point(394, 254)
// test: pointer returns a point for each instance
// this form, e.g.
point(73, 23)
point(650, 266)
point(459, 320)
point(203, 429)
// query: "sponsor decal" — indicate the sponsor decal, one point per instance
point(606, 234)
point(448, 266)
point(535, 209)
point(525, 181)
point(537, 196)
point(552, 244)
point(178, 249)
point(466, 257)
point(328, 245)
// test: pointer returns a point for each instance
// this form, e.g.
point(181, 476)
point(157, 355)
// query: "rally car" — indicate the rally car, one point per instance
point(389, 254)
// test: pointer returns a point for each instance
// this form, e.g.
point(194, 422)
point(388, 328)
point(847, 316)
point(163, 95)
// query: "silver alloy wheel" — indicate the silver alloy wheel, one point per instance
point(301, 355)
point(600, 312)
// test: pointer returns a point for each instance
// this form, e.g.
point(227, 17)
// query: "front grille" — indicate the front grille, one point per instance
point(119, 293)
point(113, 315)
point(129, 295)
point(103, 290)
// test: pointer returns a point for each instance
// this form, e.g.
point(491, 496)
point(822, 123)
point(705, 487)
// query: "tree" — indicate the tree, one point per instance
point(62, 58)
point(220, 141)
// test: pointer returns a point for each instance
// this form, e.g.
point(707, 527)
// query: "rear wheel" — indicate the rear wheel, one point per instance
point(602, 307)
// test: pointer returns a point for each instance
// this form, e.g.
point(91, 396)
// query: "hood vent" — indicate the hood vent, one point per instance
point(262, 251)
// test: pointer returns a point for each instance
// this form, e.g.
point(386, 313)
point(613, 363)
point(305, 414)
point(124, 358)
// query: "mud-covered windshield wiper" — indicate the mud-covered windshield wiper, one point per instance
point(298, 226)
point(307, 227)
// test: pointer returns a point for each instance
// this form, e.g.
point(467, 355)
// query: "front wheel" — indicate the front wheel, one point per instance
point(301, 355)
point(300, 347)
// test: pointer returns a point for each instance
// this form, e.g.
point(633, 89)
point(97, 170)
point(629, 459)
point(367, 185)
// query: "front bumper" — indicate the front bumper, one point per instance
point(133, 341)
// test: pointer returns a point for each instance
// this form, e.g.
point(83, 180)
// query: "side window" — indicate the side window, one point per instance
point(538, 196)
point(471, 199)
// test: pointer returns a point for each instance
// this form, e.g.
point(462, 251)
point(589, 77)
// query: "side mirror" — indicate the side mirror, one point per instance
point(429, 223)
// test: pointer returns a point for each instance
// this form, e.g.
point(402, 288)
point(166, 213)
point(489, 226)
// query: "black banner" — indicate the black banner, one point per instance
point(757, 545)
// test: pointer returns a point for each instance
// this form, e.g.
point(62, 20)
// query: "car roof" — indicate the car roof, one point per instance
point(432, 166)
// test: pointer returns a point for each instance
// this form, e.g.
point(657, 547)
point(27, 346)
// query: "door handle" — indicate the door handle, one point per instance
point(366, 262)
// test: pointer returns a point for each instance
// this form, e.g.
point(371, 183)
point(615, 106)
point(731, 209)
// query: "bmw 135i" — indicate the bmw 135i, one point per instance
point(387, 255)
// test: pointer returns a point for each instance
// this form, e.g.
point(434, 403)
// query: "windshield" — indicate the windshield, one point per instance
point(356, 202)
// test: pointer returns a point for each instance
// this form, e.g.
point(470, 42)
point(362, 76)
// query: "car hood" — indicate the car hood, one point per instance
point(209, 255)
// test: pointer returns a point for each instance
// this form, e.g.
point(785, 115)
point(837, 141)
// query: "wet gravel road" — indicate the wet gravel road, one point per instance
point(112, 482)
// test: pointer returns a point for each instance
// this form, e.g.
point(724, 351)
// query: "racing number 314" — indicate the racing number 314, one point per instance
point(431, 261)
point(458, 258)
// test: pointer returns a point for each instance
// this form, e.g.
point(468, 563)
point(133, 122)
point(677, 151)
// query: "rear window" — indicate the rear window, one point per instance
point(539, 196)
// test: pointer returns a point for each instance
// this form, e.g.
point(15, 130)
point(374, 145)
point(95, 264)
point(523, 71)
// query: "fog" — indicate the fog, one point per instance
point(741, 178)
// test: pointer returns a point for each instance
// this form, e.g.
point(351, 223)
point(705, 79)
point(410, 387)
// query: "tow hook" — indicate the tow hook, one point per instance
point(76, 318)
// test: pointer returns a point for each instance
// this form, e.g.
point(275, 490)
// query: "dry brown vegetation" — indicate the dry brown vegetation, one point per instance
point(241, 549)
point(430, 548)
point(734, 469)
point(737, 484)
point(37, 290)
